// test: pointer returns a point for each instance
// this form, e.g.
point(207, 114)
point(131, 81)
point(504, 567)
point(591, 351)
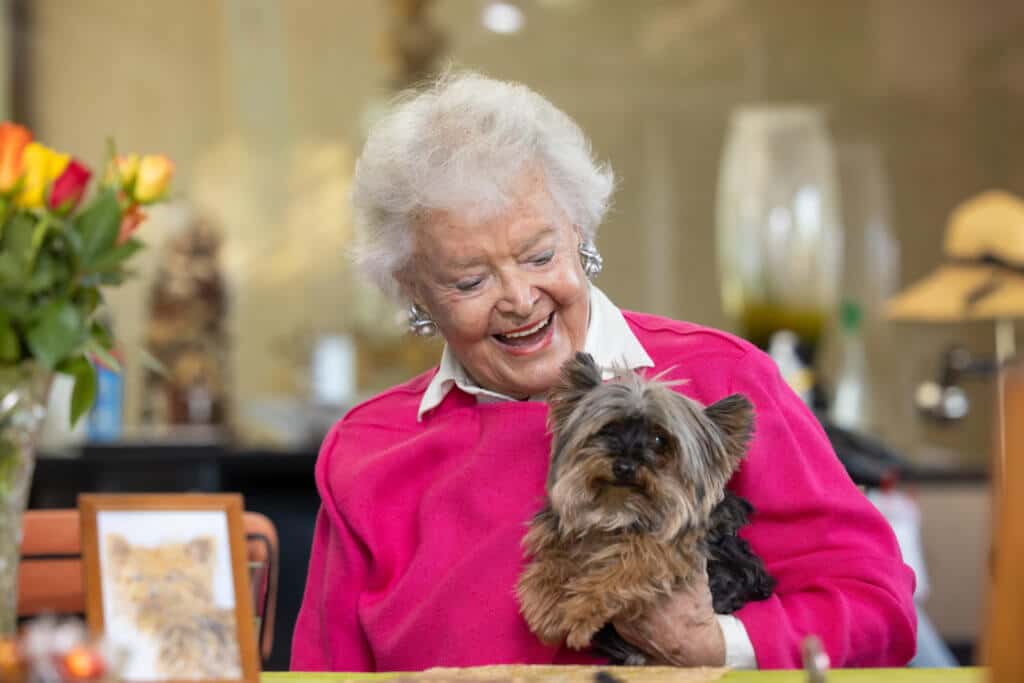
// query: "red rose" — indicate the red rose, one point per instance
point(69, 187)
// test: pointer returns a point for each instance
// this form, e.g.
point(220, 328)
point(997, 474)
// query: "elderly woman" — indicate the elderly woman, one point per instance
point(479, 204)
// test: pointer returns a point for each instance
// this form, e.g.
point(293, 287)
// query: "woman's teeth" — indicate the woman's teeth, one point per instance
point(527, 332)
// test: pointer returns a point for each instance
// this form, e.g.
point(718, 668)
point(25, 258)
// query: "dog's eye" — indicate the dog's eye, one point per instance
point(657, 442)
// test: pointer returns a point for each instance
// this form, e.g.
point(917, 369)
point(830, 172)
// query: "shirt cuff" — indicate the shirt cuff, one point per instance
point(739, 651)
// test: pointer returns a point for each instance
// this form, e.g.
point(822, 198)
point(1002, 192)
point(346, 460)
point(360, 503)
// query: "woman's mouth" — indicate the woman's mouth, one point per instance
point(525, 338)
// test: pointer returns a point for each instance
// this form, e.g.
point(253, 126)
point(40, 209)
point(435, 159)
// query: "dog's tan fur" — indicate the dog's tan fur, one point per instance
point(600, 550)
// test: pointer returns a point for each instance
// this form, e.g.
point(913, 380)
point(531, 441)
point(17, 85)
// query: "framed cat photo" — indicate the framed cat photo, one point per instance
point(167, 583)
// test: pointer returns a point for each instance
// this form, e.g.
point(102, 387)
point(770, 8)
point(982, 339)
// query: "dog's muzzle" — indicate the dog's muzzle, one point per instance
point(624, 471)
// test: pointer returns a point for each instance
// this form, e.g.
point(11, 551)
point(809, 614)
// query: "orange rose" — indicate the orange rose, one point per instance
point(130, 222)
point(13, 139)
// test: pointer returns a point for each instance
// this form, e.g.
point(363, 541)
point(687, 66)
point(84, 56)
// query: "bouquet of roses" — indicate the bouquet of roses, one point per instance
point(60, 248)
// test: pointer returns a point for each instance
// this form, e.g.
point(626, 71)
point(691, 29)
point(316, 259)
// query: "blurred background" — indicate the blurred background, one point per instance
point(783, 165)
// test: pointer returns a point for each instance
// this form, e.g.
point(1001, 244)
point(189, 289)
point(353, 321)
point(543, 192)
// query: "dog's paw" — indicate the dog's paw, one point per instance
point(550, 631)
point(636, 659)
point(550, 637)
point(580, 635)
point(543, 618)
point(546, 624)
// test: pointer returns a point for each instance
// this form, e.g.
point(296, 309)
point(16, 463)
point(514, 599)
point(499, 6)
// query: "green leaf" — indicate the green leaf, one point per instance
point(12, 274)
point(102, 334)
point(18, 238)
point(17, 305)
point(43, 274)
point(95, 348)
point(118, 255)
point(58, 332)
point(151, 363)
point(74, 243)
point(84, 393)
point(98, 226)
point(115, 277)
point(88, 298)
point(48, 272)
point(10, 349)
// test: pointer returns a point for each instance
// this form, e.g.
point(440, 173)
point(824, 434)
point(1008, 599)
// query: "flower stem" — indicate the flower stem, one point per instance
point(37, 239)
point(10, 549)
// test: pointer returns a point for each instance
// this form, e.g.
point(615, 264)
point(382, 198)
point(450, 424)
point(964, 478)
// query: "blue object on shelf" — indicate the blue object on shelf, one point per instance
point(106, 413)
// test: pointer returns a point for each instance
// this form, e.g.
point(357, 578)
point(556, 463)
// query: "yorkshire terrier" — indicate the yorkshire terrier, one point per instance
point(636, 508)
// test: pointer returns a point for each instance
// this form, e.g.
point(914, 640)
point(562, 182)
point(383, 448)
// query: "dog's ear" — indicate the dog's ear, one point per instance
point(579, 375)
point(580, 372)
point(734, 417)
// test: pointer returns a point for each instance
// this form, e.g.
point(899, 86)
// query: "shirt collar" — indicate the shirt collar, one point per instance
point(609, 340)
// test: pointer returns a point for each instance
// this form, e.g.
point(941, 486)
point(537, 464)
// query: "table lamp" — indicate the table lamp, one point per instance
point(983, 279)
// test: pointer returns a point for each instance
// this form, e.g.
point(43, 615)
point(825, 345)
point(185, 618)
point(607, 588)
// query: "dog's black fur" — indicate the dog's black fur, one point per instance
point(736, 576)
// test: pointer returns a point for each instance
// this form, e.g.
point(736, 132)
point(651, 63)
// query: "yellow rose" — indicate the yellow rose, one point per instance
point(154, 175)
point(123, 170)
point(42, 166)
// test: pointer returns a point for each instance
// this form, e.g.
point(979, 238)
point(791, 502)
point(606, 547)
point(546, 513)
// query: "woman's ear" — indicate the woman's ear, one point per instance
point(408, 285)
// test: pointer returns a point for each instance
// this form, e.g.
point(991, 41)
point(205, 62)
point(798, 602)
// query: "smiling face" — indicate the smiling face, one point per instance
point(508, 292)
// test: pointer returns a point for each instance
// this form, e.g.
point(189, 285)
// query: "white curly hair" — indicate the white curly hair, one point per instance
point(460, 144)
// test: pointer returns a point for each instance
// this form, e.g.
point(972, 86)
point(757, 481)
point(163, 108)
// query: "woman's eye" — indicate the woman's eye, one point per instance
point(468, 285)
point(543, 258)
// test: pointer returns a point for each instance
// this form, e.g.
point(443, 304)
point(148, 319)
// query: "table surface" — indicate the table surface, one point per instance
point(962, 675)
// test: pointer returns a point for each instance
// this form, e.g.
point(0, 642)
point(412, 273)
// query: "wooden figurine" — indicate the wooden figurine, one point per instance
point(187, 333)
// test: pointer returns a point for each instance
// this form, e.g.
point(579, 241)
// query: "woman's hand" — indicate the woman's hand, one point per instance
point(681, 631)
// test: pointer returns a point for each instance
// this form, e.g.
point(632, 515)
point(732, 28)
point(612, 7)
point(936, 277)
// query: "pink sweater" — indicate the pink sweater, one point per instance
point(417, 544)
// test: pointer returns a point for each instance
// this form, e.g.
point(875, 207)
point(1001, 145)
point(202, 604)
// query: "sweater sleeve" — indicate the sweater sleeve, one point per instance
point(328, 635)
point(836, 562)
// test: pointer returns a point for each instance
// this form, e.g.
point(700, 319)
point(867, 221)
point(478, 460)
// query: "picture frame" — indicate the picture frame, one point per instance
point(166, 579)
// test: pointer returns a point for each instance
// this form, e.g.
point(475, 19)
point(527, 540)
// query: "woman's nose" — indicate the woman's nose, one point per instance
point(518, 297)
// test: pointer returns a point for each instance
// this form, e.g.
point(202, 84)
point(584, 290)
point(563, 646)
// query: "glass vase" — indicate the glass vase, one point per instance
point(779, 234)
point(23, 392)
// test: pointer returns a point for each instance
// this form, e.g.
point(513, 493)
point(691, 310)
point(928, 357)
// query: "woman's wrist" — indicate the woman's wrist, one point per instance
point(691, 642)
point(699, 643)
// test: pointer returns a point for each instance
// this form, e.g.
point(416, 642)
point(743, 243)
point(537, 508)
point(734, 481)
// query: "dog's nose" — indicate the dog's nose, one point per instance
point(624, 470)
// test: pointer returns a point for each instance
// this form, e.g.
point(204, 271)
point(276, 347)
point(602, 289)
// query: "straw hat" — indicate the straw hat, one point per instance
point(983, 278)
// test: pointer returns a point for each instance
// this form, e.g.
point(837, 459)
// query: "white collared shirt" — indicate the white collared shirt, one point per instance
point(611, 343)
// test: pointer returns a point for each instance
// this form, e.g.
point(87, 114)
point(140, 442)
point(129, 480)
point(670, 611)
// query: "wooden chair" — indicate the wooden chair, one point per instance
point(50, 575)
point(1002, 650)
